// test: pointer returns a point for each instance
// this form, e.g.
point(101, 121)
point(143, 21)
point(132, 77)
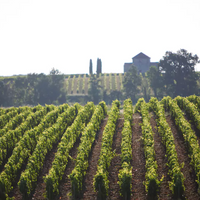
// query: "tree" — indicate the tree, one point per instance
point(90, 67)
point(54, 71)
point(155, 80)
point(179, 76)
point(94, 89)
point(145, 87)
point(57, 92)
point(99, 66)
point(115, 94)
point(131, 82)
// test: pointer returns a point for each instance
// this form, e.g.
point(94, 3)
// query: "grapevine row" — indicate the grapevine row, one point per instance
point(15, 122)
point(67, 83)
point(78, 89)
point(101, 178)
point(23, 150)
point(10, 139)
point(45, 143)
point(87, 139)
point(6, 117)
point(105, 82)
point(68, 139)
point(125, 174)
point(176, 184)
point(121, 82)
point(6, 110)
point(190, 109)
point(110, 81)
point(151, 183)
point(83, 85)
point(115, 79)
point(188, 135)
point(196, 100)
point(72, 84)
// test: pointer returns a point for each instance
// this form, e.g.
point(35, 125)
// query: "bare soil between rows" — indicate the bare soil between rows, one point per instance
point(138, 166)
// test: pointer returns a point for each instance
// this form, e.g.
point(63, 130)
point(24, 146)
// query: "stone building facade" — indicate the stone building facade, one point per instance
point(142, 62)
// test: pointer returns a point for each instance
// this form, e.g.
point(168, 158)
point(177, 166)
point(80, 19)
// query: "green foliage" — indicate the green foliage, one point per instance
point(178, 73)
point(99, 66)
point(9, 140)
point(15, 122)
point(29, 134)
point(177, 179)
point(196, 100)
point(67, 142)
point(26, 145)
point(94, 89)
point(151, 183)
point(90, 67)
point(33, 89)
point(72, 84)
point(131, 82)
point(125, 174)
point(54, 71)
point(145, 87)
point(155, 80)
point(4, 118)
point(83, 86)
point(190, 109)
point(101, 178)
point(87, 139)
point(188, 135)
point(28, 178)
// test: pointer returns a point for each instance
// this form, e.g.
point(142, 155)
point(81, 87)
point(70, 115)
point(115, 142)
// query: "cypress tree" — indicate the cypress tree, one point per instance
point(90, 67)
point(99, 66)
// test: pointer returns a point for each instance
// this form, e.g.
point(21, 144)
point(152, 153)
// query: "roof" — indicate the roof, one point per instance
point(141, 55)
point(127, 64)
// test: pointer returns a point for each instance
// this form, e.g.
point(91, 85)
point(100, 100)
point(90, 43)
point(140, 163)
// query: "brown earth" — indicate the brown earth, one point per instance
point(138, 160)
point(138, 166)
point(188, 172)
point(115, 166)
point(160, 152)
point(88, 190)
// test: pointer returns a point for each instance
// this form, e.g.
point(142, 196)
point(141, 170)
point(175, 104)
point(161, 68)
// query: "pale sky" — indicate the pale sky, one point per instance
point(37, 35)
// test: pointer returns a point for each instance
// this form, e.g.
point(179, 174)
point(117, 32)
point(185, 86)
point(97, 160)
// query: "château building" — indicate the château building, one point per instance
point(142, 62)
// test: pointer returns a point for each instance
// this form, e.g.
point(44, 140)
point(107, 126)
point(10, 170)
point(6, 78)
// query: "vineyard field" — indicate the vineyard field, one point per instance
point(146, 151)
point(78, 84)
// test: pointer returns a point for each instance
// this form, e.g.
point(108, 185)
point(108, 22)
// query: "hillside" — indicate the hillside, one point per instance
point(78, 84)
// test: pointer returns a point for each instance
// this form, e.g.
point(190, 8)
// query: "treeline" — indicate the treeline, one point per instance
point(33, 89)
point(174, 76)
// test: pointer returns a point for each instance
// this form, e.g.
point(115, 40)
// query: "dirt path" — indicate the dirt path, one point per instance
point(115, 163)
point(41, 187)
point(138, 160)
point(15, 192)
point(88, 190)
point(164, 192)
point(138, 166)
point(65, 185)
point(188, 172)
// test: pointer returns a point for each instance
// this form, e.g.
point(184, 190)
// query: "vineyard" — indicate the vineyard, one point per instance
point(147, 151)
point(79, 84)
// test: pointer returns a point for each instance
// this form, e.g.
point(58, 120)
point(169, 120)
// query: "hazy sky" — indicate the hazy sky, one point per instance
point(37, 35)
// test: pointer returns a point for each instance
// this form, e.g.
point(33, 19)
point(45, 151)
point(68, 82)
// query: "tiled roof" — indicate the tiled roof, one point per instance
point(141, 55)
